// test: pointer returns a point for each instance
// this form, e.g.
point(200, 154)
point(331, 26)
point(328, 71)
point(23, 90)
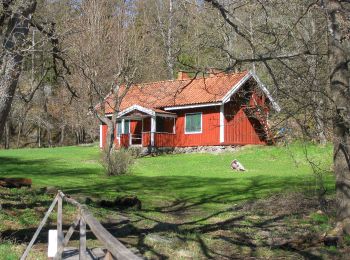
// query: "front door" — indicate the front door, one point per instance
point(136, 133)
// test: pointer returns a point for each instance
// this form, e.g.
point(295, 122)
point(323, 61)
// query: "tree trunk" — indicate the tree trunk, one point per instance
point(14, 31)
point(19, 134)
point(339, 90)
point(39, 136)
point(7, 136)
point(62, 135)
point(110, 136)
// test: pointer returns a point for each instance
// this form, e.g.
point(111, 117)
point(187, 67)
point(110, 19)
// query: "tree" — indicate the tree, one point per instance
point(339, 76)
point(15, 20)
point(105, 53)
point(335, 13)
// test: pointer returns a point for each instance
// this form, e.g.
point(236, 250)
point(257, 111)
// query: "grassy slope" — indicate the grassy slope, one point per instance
point(195, 178)
point(202, 186)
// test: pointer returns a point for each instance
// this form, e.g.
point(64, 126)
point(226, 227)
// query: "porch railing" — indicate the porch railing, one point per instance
point(135, 139)
point(115, 249)
point(164, 139)
point(144, 139)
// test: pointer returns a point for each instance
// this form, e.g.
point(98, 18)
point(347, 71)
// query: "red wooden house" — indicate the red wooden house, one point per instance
point(216, 110)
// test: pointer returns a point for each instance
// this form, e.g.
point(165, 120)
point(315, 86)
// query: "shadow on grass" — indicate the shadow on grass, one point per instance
point(39, 169)
point(207, 224)
point(176, 197)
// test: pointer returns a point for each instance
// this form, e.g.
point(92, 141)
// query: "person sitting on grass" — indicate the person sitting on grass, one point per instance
point(236, 165)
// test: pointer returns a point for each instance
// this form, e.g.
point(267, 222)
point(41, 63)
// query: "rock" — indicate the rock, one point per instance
point(15, 182)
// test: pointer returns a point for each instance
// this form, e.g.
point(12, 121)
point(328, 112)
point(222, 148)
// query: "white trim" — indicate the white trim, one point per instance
point(193, 106)
point(139, 108)
point(267, 93)
point(222, 123)
point(116, 129)
point(174, 126)
point(123, 122)
point(101, 136)
point(249, 75)
point(236, 87)
point(198, 132)
point(165, 115)
point(153, 129)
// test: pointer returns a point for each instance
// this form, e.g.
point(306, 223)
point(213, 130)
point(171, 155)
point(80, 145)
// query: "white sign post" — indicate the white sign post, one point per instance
point(52, 249)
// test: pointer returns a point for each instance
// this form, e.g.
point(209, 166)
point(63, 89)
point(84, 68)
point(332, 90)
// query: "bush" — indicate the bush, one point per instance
point(118, 163)
point(135, 151)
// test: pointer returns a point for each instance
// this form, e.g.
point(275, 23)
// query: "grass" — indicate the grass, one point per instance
point(9, 251)
point(190, 198)
point(203, 179)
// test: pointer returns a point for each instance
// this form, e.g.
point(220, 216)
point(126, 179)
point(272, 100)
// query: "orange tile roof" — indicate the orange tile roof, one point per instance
point(158, 95)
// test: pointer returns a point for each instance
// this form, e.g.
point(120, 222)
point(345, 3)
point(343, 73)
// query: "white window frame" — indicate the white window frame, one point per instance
point(198, 132)
point(123, 126)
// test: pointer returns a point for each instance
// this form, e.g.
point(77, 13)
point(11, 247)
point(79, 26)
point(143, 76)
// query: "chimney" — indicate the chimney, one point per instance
point(182, 75)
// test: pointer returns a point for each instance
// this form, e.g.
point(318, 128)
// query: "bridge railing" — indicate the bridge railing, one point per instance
point(115, 249)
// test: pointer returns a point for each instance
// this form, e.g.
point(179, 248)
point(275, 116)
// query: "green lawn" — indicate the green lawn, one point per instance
point(204, 179)
point(191, 201)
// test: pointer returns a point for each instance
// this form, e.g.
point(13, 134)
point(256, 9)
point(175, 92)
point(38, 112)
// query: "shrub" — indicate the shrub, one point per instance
point(118, 162)
point(135, 151)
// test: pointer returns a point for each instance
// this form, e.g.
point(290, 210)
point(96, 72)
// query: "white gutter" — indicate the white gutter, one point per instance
point(193, 106)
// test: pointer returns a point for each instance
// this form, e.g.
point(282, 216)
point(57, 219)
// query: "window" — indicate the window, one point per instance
point(193, 123)
point(126, 126)
point(119, 128)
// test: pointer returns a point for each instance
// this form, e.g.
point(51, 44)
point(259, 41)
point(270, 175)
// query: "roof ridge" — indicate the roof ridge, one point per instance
point(190, 79)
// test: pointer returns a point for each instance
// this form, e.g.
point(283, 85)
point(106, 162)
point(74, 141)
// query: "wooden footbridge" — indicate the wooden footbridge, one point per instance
point(112, 247)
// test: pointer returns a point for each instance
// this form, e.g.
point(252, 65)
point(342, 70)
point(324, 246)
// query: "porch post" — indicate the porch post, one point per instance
point(123, 122)
point(222, 123)
point(153, 129)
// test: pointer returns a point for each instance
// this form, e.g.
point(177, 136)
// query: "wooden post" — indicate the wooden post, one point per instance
point(67, 237)
point(59, 226)
point(108, 256)
point(36, 234)
point(82, 242)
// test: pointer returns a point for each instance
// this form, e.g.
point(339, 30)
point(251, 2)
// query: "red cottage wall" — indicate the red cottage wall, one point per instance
point(238, 128)
point(210, 128)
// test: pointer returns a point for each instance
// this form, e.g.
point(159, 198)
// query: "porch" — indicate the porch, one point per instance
point(139, 126)
point(144, 140)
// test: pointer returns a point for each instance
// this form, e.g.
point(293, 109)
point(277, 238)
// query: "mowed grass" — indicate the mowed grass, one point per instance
point(201, 180)
point(192, 204)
